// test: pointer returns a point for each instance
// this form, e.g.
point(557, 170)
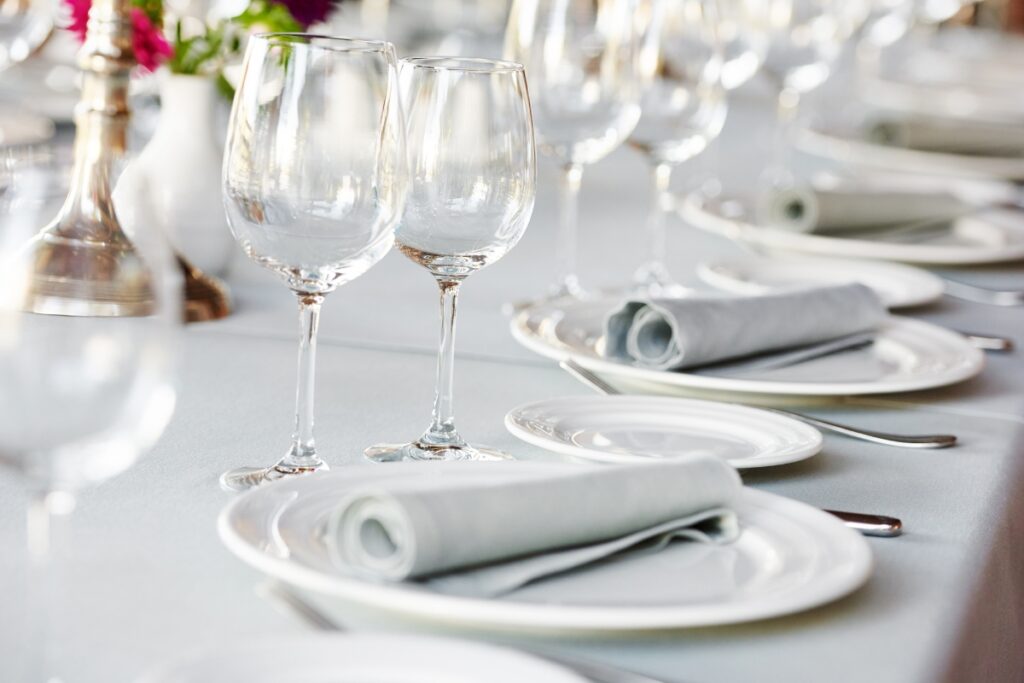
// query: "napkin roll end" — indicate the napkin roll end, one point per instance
point(370, 534)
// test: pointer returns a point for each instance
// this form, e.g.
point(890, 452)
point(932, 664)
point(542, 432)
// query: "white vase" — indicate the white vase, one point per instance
point(175, 181)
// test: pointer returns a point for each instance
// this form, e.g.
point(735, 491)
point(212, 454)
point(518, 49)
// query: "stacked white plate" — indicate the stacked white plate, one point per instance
point(789, 557)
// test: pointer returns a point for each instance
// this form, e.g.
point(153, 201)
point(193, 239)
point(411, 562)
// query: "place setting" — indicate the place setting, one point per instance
point(663, 461)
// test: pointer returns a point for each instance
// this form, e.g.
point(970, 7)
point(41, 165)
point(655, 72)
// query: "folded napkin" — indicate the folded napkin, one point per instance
point(487, 535)
point(807, 209)
point(673, 334)
point(951, 136)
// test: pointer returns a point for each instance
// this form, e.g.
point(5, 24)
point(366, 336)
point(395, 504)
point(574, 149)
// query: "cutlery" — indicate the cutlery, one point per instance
point(290, 602)
point(900, 440)
point(995, 297)
point(987, 342)
point(870, 525)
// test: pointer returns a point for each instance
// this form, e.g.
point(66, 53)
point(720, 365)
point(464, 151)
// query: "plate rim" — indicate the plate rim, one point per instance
point(931, 285)
point(863, 152)
point(691, 209)
point(593, 455)
point(553, 618)
point(974, 363)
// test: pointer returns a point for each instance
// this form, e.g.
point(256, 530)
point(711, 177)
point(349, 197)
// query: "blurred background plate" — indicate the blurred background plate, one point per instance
point(897, 285)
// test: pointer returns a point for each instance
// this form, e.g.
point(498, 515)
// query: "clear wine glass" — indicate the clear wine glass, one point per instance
point(806, 37)
point(683, 106)
point(581, 58)
point(83, 393)
point(743, 32)
point(314, 182)
point(473, 163)
point(24, 26)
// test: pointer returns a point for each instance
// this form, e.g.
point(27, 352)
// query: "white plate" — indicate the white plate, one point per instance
point(996, 239)
point(624, 429)
point(907, 355)
point(360, 658)
point(846, 148)
point(789, 557)
point(896, 284)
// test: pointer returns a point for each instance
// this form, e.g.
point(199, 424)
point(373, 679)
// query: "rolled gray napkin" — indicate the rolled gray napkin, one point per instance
point(484, 536)
point(674, 334)
point(809, 210)
point(951, 136)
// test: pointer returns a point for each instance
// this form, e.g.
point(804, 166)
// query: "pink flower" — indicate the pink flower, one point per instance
point(150, 46)
point(308, 12)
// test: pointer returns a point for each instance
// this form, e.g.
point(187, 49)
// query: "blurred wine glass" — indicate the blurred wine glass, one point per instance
point(684, 107)
point(85, 390)
point(581, 58)
point(805, 39)
point(24, 27)
point(474, 175)
point(314, 182)
point(743, 33)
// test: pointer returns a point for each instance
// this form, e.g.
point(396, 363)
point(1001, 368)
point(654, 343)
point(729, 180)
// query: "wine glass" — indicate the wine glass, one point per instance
point(474, 177)
point(806, 37)
point(84, 392)
point(24, 26)
point(743, 32)
point(314, 182)
point(581, 59)
point(683, 107)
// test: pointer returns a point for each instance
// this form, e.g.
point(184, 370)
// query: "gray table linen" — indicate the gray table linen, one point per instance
point(948, 135)
point(677, 334)
point(836, 211)
point(487, 535)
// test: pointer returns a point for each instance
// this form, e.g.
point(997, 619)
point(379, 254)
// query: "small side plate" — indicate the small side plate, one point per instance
point(624, 429)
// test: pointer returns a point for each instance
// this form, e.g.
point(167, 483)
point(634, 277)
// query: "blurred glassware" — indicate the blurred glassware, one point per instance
point(84, 393)
point(474, 178)
point(743, 33)
point(317, 208)
point(806, 37)
point(24, 27)
point(684, 107)
point(581, 58)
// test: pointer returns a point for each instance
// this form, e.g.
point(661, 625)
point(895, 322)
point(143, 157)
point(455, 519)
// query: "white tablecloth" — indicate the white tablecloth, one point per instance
point(146, 578)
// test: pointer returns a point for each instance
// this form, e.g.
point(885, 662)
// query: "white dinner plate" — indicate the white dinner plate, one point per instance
point(360, 658)
point(789, 557)
point(847, 148)
point(907, 355)
point(997, 237)
point(896, 284)
point(625, 429)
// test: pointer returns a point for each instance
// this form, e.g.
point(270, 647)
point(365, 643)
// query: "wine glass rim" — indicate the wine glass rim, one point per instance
point(326, 42)
point(466, 64)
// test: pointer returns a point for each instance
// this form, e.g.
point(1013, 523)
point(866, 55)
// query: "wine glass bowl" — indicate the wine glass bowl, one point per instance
point(314, 205)
point(84, 394)
point(314, 181)
point(472, 159)
point(472, 182)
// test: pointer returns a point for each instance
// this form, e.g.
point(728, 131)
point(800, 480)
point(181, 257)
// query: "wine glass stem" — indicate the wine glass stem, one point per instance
point(661, 176)
point(572, 177)
point(788, 102)
point(46, 512)
point(303, 451)
point(442, 427)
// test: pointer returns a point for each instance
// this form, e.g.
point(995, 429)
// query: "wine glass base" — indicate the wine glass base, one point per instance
point(425, 452)
point(245, 478)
